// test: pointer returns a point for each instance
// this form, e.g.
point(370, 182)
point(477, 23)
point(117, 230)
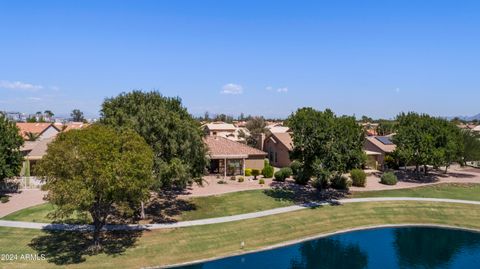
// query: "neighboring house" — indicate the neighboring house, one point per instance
point(226, 130)
point(476, 129)
point(33, 151)
point(376, 148)
point(278, 128)
point(70, 126)
point(43, 130)
point(278, 146)
point(230, 158)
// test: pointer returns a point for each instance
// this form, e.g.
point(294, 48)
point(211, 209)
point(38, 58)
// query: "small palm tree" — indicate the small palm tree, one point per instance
point(32, 136)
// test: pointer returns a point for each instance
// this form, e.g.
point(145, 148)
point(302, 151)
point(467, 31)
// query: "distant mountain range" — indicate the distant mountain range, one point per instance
point(467, 118)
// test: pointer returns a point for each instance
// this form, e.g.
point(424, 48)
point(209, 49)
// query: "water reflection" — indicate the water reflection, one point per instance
point(430, 247)
point(330, 253)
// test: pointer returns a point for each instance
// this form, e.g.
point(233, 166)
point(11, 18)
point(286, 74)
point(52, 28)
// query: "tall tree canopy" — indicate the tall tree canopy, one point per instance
point(256, 126)
point(425, 140)
point(10, 143)
point(321, 139)
point(96, 170)
point(471, 147)
point(77, 115)
point(172, 133)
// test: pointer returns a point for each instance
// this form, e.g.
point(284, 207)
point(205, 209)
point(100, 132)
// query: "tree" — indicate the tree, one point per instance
point(95, 171)
point(256, 126)
point(366, 119)
point(77, 115)
point(48, 113)
point(386, 127)
point(424, 140)
point(10, 143)
point(471, 147)
point(323, 141)
point(174, 136)
point(32, 136)
point(206, 117)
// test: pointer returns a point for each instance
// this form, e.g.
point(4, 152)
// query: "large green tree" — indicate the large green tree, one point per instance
point(96, 171)
point(10, 143)
point(326, 142)
point(423, 140)
point(77, 115)
point(172, 133)
point(256, 126)
point(471, 147)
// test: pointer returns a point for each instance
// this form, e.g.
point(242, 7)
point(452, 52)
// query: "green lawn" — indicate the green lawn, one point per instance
point(156, 248)
point(34, 214)
point(256, 200)
point(232, 204)
point(447, 190)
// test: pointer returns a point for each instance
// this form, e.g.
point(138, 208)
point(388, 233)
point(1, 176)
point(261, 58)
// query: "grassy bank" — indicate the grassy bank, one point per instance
point(446, 190)
point(257, 200)
point(187, 244)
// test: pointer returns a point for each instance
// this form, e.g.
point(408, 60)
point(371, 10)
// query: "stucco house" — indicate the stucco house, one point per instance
point(278, 146)
point(226, 130)
point(229, 158)
point(42, 129)
point(376, 148)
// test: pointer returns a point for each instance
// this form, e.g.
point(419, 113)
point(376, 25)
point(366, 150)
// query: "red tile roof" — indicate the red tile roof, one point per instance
point(36, 127)
point(219, 147)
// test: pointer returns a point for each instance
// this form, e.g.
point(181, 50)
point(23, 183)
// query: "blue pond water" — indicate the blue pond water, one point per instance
point(379, 248)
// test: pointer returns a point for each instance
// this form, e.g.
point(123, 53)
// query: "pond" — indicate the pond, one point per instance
point(407, 247)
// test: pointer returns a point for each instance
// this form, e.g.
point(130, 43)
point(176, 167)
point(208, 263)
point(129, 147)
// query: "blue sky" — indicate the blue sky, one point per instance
point(258, 57)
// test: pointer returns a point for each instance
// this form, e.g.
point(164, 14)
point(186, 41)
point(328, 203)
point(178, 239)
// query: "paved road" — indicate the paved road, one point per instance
point(46, 226)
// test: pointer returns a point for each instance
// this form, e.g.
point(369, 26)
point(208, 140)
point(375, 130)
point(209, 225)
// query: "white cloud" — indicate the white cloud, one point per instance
point(279, 90)
point(18, 85)
point(231, 88)
point(34, 99)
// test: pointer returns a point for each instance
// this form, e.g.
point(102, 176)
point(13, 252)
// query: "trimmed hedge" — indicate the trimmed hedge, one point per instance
point(248, 172)
point(359, 178)
point(341, 182)
point(267, 171)
point(256, 173)
point(389, 178)
point(295, 166)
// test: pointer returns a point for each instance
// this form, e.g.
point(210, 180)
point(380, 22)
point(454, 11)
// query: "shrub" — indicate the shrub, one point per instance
point(4, 199)
point(302, 177)
point(287, 172)
point(255, 173)
point(359, 178)
point(233, 178)
point(261, 181)
point(390, 162)
point(222, 182)
point(241, 179)
point(279, 176)
point(389, 178)
point(248, 172)
point(341, 182)
point(322, 181)
point(295, 166)
point(267, 171)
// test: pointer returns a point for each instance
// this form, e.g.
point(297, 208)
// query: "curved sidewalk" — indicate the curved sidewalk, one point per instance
point(181, 224)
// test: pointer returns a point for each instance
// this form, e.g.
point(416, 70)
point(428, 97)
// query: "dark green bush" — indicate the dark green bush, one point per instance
point(389, 178)
point(4, 199)
point(261, 181)
point(322, 180)
point(295, 166)
point(302, 177)
point(359, 178)
point(241, 179)
point(287, 172)
point(340, 182)
point(279, 176)
point(267, 171)
point(255, 173)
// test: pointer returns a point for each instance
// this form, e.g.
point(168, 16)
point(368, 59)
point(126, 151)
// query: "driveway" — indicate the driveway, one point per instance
point(21, 200)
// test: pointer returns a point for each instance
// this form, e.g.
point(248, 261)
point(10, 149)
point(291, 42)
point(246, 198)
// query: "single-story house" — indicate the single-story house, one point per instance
point(229, 158)
point(33, 151)
point(278, 146)
point(277, 128)
point(226, 130)
point(42, 129)
point(376, 148)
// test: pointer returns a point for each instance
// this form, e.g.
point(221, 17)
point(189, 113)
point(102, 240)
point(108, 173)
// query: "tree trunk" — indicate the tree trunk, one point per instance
point(425, 169)
point(142, 214)
point(97, 228)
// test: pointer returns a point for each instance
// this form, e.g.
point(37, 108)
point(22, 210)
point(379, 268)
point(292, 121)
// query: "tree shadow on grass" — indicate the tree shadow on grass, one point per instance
point(303, 194)
point(166, 207)
point(72, 247)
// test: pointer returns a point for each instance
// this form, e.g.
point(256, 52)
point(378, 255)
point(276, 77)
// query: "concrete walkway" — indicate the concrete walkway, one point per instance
point(68, 227)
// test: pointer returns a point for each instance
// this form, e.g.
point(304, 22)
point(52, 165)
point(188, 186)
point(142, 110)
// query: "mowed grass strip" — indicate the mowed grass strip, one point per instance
point(164, 247)
point(257, 200)
point(445, 190)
